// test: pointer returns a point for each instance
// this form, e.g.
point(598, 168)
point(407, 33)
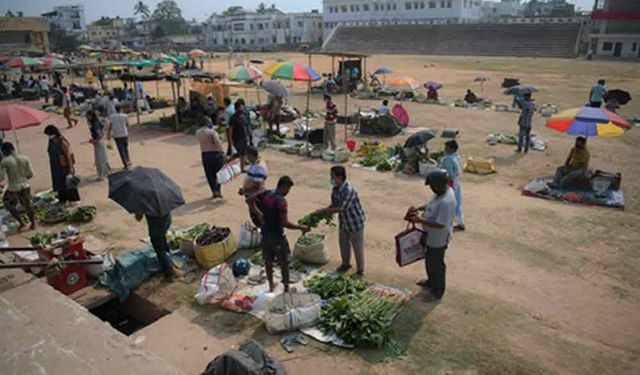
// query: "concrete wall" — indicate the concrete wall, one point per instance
point(627, 44)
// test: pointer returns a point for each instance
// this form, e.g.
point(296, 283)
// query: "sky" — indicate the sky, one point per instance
point(198, 9)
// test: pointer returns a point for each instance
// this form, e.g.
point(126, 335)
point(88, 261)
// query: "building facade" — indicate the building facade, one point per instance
point(24, 34)
point(494, 10)
point(549, 8)
point(106, 29)
point(616, 28)
point(390, 12)
point(248, 30)
point(68, 18)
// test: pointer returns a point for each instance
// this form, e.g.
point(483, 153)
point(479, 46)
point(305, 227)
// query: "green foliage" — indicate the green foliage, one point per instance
point(328, 286)
point(231, 10)
point(142, 9)
point(314, 219)
point(169, 21)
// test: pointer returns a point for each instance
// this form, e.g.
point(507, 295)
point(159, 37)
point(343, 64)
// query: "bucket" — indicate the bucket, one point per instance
point(351, 145)
point(425, 167)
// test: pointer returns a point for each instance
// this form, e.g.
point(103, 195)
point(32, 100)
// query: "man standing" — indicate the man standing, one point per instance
point(237, 136)
point(596, 96)
point(17, 169)
point(437, 221)
point(524, 123)
point(119, 130)
point(330, 120)
point(158, 228)
point(141, 97)
point(111, 105)
point(66, 109)
point(452, 164)
point(575, 166)
point(229, 110)
point(44, 87)
point(346, 203)
point(270, 206)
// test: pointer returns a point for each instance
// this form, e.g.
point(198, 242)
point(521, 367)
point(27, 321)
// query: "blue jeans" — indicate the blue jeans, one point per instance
point(524, 138)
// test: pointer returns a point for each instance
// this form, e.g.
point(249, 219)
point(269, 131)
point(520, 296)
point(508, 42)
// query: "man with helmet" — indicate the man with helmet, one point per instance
point(437, 219)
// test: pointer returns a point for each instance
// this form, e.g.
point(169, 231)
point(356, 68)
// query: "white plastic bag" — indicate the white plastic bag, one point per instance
point(216, 285)
point(290, 311)
point(314, 254)
point(249, 237)
point(227, 173)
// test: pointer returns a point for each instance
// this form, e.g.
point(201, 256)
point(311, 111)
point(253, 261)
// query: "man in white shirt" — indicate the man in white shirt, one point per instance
point(437, 220)
point(18, 171)
point(111, 105)
point(384, 109)
point(44, 87)
point(119, 130)
point(141, 96)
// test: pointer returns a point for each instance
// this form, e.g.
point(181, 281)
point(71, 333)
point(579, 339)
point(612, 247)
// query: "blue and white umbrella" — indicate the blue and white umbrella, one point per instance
point(383, 71)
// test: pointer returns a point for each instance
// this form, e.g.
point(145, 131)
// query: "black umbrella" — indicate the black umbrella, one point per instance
point(420, 138)
point(623, 97)
point(145, 191)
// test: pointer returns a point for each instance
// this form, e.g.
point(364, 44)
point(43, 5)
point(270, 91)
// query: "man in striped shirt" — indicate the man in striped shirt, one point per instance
point(330, 120)
point(346, 203)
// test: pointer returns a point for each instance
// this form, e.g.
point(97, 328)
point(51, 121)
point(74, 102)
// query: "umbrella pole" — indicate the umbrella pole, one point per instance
point(157, 90)
point(258, 94)
point(137, 104)
point(15, 135)
point(175, 106)
point(307, 114)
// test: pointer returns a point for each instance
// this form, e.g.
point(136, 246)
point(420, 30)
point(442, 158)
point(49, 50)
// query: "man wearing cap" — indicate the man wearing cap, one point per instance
point(270, 207)
point(437, 220)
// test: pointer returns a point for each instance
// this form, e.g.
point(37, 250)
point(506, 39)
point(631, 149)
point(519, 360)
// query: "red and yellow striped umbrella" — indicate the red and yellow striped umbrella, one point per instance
point(588, 121)
point(292, 71)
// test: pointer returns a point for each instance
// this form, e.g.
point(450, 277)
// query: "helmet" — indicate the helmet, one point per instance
point(241, 267)
point(437, 177)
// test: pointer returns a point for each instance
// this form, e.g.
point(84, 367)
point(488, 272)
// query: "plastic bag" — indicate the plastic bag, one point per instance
point(314, 254)
point(239, 303)
point(410, 246)
point(216, 285)
point(249, 237)
point(227, 173)
point(291, 311)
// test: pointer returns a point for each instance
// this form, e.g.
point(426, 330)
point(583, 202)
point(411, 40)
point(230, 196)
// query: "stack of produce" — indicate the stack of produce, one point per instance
point(213, 235)
point(313, 220)
point(327, 286)
point(376, 158)
point(310, 239)
point(83, 214)
point(194, 232)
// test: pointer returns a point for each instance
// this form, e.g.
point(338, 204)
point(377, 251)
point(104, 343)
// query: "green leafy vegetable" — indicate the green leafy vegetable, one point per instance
point(310, 239)
point(328, 286)
point(376, 157)
point(314, 219)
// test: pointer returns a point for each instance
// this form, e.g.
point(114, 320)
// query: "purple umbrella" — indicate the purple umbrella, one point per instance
point(433, 85)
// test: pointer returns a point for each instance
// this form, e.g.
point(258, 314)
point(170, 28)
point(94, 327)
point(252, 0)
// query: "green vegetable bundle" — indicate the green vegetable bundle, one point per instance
point(327, 286)
point(363, 319)
point(310, 239)
point(314, 219)
point(195, 232)
point(40, 239)
point(274, 139)
point(374, 158)
point(83, 214)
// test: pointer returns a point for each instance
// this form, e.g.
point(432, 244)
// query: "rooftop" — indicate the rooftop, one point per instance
point(23, 24)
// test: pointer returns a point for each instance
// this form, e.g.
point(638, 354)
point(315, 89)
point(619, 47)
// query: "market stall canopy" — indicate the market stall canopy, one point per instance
point(275, 88)
point(15, 116)
point(196, 53)
point(195, 74)
point(244, 74)
point(433, 85)
point(588, 121)
point(50, 62)
point(383, 71)
point(132, 77)
point(420, 138)
point(403, 84)
point(292, 71)
point(145, 191)
point(22, 62)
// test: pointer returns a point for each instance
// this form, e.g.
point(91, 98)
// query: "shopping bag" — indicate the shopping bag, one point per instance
point(410, 245)
point(228, 172)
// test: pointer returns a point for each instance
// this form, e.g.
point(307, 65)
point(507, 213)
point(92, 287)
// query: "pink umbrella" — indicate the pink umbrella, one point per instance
point(401, 115)
point(14, 116)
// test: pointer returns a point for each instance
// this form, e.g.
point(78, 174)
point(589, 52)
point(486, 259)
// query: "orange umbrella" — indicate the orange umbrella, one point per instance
point(403, 84)
point(15, 116)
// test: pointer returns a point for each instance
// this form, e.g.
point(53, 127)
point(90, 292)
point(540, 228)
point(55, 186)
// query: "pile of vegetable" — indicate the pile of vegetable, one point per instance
point(313, 220)
point(362, 319)
point(310, 239)
point(328, 286)
point(213, 235)
point(83, 214)
point(173, 240)
point(375, 158)
point(54, 215)
point(40, 239)
point(274, 139)
point(195, 232)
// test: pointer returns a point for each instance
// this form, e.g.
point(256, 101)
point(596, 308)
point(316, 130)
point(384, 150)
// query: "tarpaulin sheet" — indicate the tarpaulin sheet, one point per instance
point(130, 270)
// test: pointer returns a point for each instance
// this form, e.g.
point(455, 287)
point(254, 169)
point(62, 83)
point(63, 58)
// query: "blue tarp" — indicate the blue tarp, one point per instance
point(130, 270)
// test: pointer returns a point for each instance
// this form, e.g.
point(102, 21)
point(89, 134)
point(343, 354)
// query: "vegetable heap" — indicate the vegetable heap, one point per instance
point(195, 231)
point(327, 286)
point(361, 319)
point(274, 139)
point(314, 219)
point(213, 235)
point(83, 214)
point(55, 215)
point(310, 239)
point(375, 158)
point(40, 239)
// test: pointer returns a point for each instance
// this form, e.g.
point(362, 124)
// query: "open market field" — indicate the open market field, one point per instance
point(534, 286)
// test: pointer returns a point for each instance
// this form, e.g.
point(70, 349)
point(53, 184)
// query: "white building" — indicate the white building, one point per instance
point(494, 10)
point(616, 28)
point(247, 30)
point(390, 12)
point(69, 18)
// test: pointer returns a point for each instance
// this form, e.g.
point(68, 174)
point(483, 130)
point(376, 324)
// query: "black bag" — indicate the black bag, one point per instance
point(614, 178)
point(249, 359)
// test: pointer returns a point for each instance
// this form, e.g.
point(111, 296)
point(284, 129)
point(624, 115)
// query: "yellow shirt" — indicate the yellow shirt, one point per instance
point(89, 76)
point(579, 158)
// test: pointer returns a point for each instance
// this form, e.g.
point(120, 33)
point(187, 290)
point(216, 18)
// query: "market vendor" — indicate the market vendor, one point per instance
point(575, 166)
point(432, 93)
point(384, 108)
point(254, 181)
point(416, 144)
point(471, 97)
point(270, 206)
point(345, 202)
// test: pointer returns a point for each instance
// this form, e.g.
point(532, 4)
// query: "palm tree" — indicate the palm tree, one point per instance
point(167, 10)
point(141, 8)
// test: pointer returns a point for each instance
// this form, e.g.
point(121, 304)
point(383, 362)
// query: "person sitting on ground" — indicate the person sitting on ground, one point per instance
point(432, 94)
point(612, 105)
point(471, 98)
point(384, 109)
point(575, 166)
point(183, 107)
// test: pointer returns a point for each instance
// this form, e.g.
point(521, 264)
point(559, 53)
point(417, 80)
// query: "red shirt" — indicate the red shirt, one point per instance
point(331, 115)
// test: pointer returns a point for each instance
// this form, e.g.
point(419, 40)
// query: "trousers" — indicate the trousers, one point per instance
point(212, 161)
point(101, 158)
point(329, 135)
point(436, 270)
point(161, 248)
point(123, 149)
point(347, 241)
point(524, 139)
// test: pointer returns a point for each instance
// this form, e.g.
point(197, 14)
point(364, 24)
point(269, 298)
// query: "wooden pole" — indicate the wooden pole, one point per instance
point(306, 113)
point(175, 106)
point(157, 90)
point(333, 66)
point(135, 95)
point(345, 85)
point(365, 74)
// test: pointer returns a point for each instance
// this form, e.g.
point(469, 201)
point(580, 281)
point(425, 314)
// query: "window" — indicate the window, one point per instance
point(300, 23)
point(274, 40)
point(238, 27)
point(449, 4)
point(441, 3)
point(432, 4)
point(416, 5)
point(388, 6)
point(394, 6)
point(365, 7)
point(252, 41)
point(243, 41)
point(607, 46)
point(352, 8)
point(407, 6)
point(634, 46)
point(251, 26)
point(422, 5)
point(464, 5)
point(343, 9)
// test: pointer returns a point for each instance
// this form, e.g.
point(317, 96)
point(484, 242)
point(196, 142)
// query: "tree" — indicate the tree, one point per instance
point(262, 8)
point(20, 14)
point(9, 13)
point(61, 41)
point(167, 10)
point(141, 8)
point(168, 18)
point(231, 11)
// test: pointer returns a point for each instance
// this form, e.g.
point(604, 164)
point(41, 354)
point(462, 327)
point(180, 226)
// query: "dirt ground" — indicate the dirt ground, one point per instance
point(534, 287)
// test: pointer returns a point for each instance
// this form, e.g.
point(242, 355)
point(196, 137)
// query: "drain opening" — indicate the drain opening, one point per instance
point(131, 315)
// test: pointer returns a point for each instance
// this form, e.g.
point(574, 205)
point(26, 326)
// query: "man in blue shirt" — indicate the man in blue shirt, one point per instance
point(528, 108)
point(596, 96)
point(229, 110)
point(384, 109)
point(270, 206)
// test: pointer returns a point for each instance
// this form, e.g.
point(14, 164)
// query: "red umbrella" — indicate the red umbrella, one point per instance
point(14, 116)
point(23, 62)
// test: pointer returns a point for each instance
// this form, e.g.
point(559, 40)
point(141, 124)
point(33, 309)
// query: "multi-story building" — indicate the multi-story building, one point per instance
point(494, 10)
point(69, 18)
point(24, 34)
point(248, 30)
point(398, 12)
point(616, 28)
point(105, 29)
point(549, 8)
